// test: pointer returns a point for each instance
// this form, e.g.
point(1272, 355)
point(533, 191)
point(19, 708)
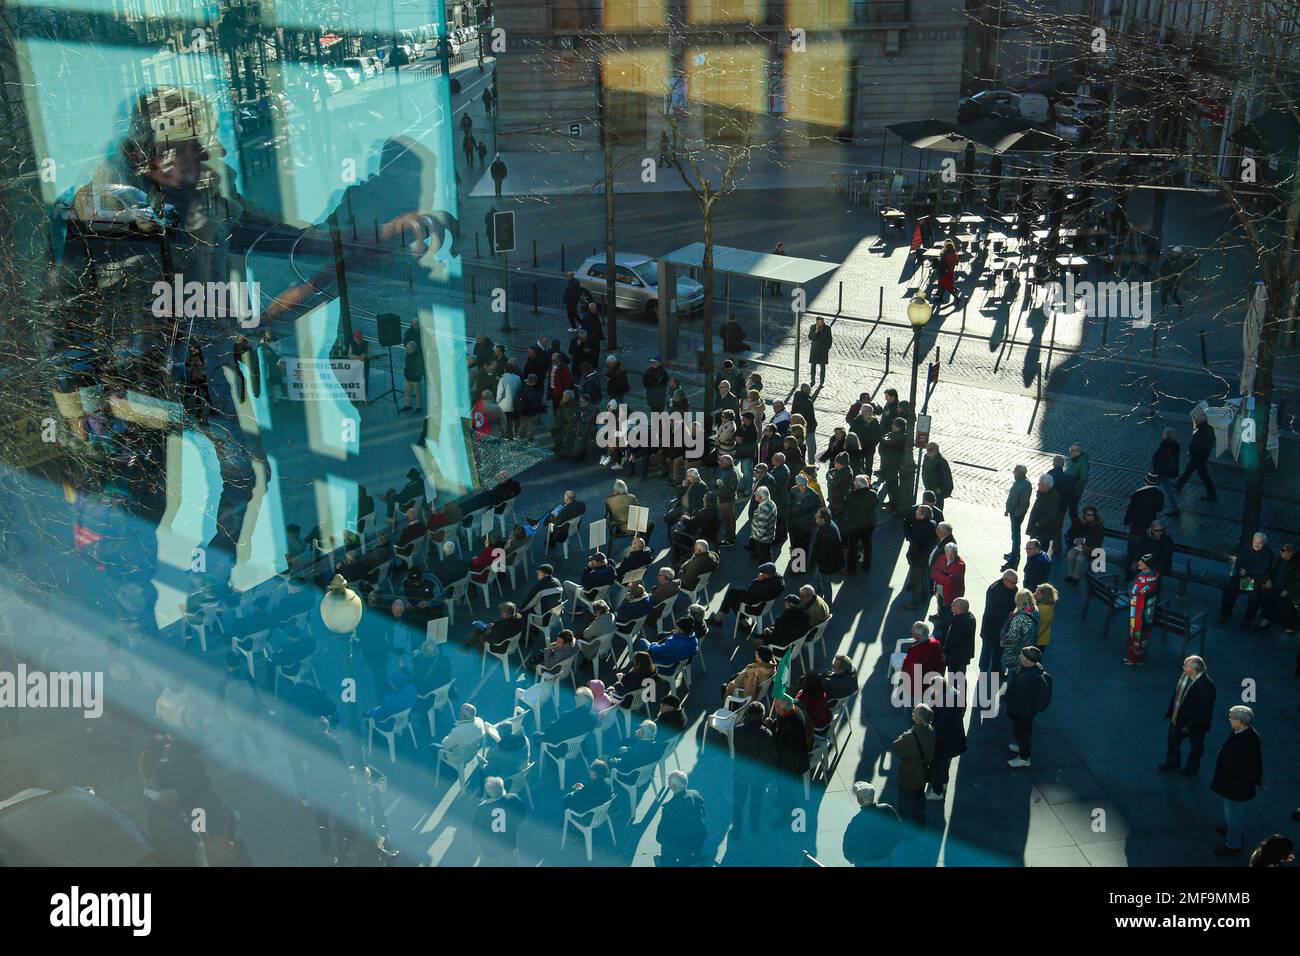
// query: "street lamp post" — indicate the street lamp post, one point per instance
point(340, 610)
point(919, 311)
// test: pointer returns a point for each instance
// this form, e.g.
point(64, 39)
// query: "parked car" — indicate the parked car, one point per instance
point(1031, 107)
point(636, 287)
point(1073, 131)
point(987, 103)
point(365, 65)
point(1078, 108)
point(68, 827)
point(332, 80)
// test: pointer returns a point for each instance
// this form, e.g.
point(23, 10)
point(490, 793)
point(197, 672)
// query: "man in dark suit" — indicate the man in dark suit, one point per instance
point(1190, 714)
point(959, 638)
point(790, 625)
point(766, 586)
point(557, 519)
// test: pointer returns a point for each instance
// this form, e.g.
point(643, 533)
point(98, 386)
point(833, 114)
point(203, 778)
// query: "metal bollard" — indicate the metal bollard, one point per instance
point(534, 253)
point(477, 253)
point(888, 349)
point(839, 305)
point(1038, 383)
point(1205, 356)
point(880, 307)
point(563, 267)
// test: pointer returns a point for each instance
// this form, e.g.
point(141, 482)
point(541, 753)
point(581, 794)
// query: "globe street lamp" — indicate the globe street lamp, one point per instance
point(340, 610)
point(919, 311)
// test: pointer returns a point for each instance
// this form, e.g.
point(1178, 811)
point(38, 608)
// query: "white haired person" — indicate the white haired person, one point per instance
point(1238, 773)
point(873, 832)
point(682, 830)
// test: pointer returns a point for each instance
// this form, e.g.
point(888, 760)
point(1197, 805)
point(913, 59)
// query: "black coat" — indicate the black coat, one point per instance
point(921, 538)
point(949, 731)
point(1197, 710)
point(999, 602)
point(959, 641)
point(858, 511)
point(1239, 766)
point(802, 404)
point(819, 349)
point(1164, 463)
point(827, 549)
point(1202, 445)
point(1144, 507)
point(760, 592)
point(1022, 693)
point(793, 738)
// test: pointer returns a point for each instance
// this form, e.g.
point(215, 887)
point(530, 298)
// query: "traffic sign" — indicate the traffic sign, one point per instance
point(922, 430)
point(575, 129)
point(503, 232)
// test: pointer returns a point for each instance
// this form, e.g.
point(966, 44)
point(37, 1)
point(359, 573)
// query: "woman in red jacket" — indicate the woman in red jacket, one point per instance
point(923, 658)
point(816, 704)
point(481, 565)
point(948, 275)
point(949, 576)
point(559, 380)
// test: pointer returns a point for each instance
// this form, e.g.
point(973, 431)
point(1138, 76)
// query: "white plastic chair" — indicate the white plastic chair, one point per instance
point(562, 753)
point(638, 698)
point(632, 781)
point(438, 698)
point(516, 780)
point(507, 516)
point(900, 652)
point(724, 721)
point(556, 677)
point(573, 524)
point(701, 593)
point(400, 722)
point(604, 647)
point(821, 747)
point(533, 704)
point(458, 591)
point(580, 599)
point(630, 632)
point(546, 621)
point(754, 614)
point(485, 588)
point(462, 773)
point(604, 720)
point(305, 672)
point(599, 816)
point(512, 647)
point(471, 523)
point(813, 639)
point(251, 646)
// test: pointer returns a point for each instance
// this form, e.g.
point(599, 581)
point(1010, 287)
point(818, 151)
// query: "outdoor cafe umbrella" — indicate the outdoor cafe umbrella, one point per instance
point(936, 134)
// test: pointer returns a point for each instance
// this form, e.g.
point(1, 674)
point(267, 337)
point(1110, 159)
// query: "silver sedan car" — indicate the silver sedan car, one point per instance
point(636, 284)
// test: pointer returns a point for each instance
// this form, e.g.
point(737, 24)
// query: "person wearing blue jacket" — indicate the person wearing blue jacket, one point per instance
point(402, 697)
point(680, 645)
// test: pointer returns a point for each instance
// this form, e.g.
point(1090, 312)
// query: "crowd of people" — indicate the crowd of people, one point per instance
point(639, 607)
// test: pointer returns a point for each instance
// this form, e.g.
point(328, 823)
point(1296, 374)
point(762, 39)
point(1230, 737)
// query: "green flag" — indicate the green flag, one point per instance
point(782, 674)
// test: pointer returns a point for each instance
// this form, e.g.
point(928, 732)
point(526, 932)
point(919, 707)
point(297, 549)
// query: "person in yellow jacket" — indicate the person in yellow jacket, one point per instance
point(1045, 597)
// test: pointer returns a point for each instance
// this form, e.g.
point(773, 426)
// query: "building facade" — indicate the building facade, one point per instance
point(808, 70)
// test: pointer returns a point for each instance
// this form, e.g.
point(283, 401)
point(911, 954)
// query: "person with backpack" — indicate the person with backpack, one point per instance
point(1029, 693)
point(914, 749)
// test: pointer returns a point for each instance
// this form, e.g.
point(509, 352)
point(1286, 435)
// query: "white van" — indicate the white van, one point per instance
point(1032, 106)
